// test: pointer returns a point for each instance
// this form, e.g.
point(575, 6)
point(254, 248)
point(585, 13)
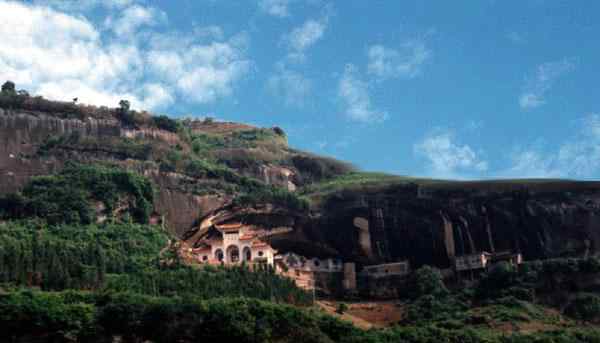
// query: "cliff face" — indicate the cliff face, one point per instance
point(23, 132)
point(543, 220)
point(424, 224)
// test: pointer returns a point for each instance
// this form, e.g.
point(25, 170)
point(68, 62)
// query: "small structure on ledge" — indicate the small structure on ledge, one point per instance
point(308, 273)
point(400, 268)
point(483, 260)
point(472, 261)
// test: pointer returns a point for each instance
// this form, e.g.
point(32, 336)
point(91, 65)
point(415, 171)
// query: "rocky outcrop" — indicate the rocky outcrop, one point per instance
point(426, 225)
point(545, 220)
point(22, 133)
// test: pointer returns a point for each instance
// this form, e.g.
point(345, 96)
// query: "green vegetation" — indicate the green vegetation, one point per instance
point(166, 123)
point(118, 147)
point(356, 181)
point(12, 99)
point(237, 139)
point(72, 195)
point(86, 316)
point(584, 307)
point(74, 256)
point(426, 281)
point(123, 257)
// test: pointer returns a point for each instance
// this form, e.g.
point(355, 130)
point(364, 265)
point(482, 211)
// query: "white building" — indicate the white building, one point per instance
point(233, 244)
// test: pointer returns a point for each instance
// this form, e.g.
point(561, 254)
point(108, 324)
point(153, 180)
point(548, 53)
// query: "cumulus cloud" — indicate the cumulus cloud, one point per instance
point(83, 5)
point(202, 73)
point(62, 56)
point(353, 93)
point(576, 157)
point(447, 158)
point(132, 18)
point(534, 92)
point(290, 85)
point(405, 62)
point(277, 8)
point(305, 36)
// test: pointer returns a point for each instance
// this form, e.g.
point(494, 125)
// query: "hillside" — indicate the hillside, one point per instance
point(201, 167)
point(101, 207)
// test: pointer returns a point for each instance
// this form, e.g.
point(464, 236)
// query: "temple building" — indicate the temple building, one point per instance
point(233, 244)
point(308, 273)
point(388, 269)
point(483, 260)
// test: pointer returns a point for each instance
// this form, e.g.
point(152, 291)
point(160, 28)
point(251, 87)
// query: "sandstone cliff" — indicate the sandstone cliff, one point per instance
point(426, 222)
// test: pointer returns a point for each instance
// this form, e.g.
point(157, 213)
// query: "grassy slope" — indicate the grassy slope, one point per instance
point(373, 181)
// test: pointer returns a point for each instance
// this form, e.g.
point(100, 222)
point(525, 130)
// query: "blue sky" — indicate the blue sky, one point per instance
point(450, 89)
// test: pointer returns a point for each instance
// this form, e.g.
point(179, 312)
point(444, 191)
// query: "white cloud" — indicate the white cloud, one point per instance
point(290, 85)
point(405, 62)
point(534, 92)
point(62, 56)
point(354, 94)
point(576, 157)
point(83, 5)
point(530, 163)
point(132, 18)
point(209, 32)
point(202, 73)
point(447, 158)
point(303, 37)
point(277, 8)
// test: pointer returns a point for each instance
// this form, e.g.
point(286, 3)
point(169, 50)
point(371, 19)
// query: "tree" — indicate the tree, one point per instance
point(427, 281)
point(8, 88)
point(342, 307)
point(124, 106)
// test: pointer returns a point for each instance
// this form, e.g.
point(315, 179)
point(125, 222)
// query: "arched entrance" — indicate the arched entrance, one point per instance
point(247, 254)
point(233, 254)
point(219, 255)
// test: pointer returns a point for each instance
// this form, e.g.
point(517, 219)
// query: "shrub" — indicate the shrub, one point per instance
point(584, 307)
point(426, 281)
point(315, 168)
point(165, 123)
point(341, 308)
point(497, 281)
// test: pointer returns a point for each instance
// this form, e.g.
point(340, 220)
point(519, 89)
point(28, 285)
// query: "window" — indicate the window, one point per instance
point(260, 253)
point(204, 258)
point(219, 255)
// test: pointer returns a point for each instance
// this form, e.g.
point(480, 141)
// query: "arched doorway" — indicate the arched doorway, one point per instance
point(247, 254)
point(219, 255)
point(233, 254)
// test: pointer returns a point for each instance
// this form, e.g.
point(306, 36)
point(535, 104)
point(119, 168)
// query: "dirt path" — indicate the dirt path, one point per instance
point(330, 308)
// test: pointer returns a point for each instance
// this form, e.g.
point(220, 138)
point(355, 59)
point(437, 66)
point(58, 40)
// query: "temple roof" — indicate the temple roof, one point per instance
point(229, 226)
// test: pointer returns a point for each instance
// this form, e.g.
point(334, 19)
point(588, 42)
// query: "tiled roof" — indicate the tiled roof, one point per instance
point(228, 227)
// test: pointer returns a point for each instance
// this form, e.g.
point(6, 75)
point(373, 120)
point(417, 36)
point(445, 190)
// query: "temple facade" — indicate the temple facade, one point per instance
point(232, 244)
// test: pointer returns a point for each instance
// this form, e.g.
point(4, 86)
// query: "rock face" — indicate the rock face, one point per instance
point(544, 220)
point(426, 225)
point(22, 132)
